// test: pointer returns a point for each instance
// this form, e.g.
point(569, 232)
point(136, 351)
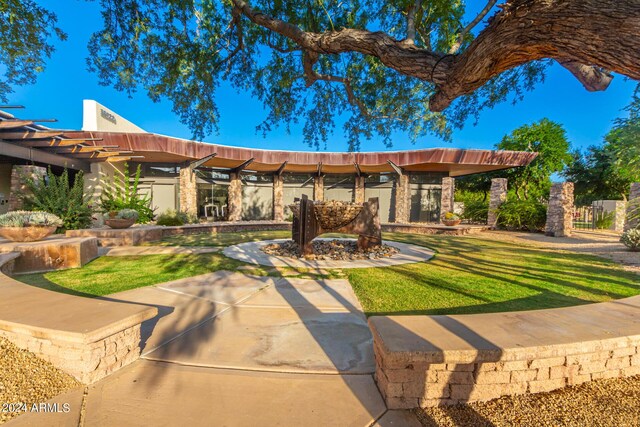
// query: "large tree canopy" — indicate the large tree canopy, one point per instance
point(408, 65)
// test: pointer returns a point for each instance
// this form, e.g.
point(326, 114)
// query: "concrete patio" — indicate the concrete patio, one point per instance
point(238, 350)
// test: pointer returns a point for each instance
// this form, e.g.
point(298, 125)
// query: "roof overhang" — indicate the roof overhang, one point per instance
point(159, 149)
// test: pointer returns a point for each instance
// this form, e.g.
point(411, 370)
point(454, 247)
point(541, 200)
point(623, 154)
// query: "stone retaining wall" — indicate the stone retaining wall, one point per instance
point(87, 362)
point(410, 385)
point(459, 230)
point(54, 253)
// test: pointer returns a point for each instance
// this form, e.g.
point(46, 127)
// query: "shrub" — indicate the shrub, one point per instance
point(171, 217)
point(528, 215)
point(631, 239)
point(54, 194)
point(127, 214)
point(476, 211)
point(605, 221)
point(122, 193)
point(29, 219)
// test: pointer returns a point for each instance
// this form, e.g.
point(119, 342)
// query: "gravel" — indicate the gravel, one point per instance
point(340, 250)
point(612, 402)
point(24, 378)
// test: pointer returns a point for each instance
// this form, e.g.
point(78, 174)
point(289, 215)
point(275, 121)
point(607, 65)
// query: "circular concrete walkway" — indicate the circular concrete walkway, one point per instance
point(251, 252)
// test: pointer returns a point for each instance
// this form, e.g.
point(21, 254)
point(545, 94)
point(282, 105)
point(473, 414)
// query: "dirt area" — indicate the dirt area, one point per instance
point(26, 379)
point(611, 402)
point(600, 243)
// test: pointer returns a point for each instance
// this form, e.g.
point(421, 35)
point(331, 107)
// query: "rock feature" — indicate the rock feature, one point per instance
point(560, 210)
point(446, 198)
point(634, 203)
point(497, 197)
point(340, 250)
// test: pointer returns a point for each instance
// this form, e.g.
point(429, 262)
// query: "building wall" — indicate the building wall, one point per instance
point(257, 201)
point(385, 194)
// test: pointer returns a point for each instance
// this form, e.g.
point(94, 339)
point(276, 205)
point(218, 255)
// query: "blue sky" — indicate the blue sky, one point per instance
point(61, 88)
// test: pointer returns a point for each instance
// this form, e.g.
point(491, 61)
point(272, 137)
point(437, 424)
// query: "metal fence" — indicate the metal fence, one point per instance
point(592, 217)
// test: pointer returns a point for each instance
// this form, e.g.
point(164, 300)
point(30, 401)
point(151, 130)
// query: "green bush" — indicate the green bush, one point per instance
point(631, 239)
point(55, 195)
point(19, 219)
point(171, 218)
point(605, 221)
point(528, 215)
point(475, 210)
point(122, 193)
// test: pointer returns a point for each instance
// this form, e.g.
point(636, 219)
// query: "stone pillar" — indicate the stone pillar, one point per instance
point(497, 197)
point(318, 187)
point(633, 204)
point(278, 198)
point(235, 197)
point(620, 215)
point(446, 197)
point(560, 210)
point(188, 191)
point(403, 195)
point(18, 189)
point(359, 189)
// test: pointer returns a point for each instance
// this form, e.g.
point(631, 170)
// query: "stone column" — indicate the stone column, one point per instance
point(188, 191)
point(497, 197)
point(634, 203)
point(560, 210)
point(620, 215)
point(18, 189)
point(403, 195)
point(359, 189)
point(318, 187)
point(235, 197)
point(278, 198)
point(446, 197)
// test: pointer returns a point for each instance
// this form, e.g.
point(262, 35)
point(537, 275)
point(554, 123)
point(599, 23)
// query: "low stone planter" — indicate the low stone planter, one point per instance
point(118, 223)
point(26, 234)
point(451, 222)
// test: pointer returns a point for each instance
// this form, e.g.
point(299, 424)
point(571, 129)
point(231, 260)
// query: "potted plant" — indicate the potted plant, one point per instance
point(28, 226)
point(450, 219)
point(124, 218)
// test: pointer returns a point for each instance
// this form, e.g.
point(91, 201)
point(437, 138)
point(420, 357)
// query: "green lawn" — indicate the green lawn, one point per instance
point(107, 275)
point(476, 275)
point(221, 239)
point(467, 275)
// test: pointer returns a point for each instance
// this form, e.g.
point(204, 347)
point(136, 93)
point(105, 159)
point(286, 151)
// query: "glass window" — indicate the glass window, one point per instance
point(380, 178)
point(297, 178)
point(256, 177)
point(341, 180)
point(427, 178)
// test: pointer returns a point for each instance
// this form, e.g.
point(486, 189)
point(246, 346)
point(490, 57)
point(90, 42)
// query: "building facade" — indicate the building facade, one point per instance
point(218, 182)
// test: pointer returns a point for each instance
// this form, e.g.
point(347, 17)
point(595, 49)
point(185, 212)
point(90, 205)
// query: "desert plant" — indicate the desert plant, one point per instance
point(54, 194)
point(122, 193)
point(631, 239)
point(605, 221)
point(171, 217)
point(451, 216)
point(634, 211)
point(29, 219)
point(127, 214)
point(528, 215)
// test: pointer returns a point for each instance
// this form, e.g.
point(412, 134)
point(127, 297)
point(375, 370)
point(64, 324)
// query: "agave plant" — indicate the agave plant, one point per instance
point(29, 219)
point(127, 214)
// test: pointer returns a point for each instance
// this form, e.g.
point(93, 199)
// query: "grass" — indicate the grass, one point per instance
point(467, 275)
point(107, 275)
point(476, 275)
point(221, 239)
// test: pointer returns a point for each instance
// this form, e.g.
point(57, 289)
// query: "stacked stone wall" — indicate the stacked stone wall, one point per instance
point(408, 384)
point(19, 176)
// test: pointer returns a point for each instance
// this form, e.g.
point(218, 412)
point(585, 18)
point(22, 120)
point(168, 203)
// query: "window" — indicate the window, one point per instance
point(427, 178)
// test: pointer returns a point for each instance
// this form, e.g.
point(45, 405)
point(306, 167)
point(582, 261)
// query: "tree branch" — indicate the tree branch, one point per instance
point(411, 23)
point(592, 78)
point(470, 25)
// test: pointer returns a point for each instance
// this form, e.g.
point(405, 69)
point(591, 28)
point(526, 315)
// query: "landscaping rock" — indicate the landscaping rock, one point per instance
point(341, 250)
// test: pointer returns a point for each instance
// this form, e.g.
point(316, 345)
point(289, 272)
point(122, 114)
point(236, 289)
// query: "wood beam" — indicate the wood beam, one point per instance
point(75, 149)
point(43, 143)
point(14, 124)
point(30, 134)
point(99, 154)
point(116, 159)
point(39, 156)
point(242, 166)
point(281, 168)
point(396, 168)
point(357, 166)
point(319, 171)
point(197, 163)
